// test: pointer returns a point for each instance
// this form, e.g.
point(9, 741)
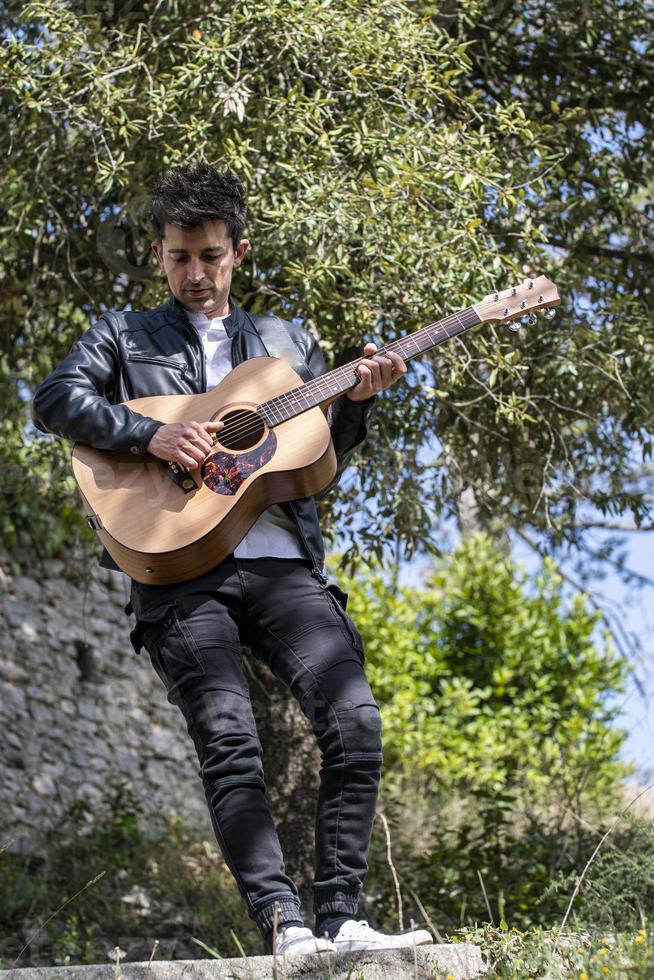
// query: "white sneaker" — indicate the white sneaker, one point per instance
point(299, 940)
point(355, 935)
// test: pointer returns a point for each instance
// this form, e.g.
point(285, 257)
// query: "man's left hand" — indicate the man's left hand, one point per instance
point(377, 372)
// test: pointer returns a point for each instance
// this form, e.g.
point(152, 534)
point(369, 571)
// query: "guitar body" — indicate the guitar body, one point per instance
point(160, 533)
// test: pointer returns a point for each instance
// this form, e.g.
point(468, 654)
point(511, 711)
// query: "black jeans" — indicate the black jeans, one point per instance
point(291, 622)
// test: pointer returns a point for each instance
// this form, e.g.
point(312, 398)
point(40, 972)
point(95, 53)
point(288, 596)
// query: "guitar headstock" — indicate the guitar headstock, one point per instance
point(519, 303)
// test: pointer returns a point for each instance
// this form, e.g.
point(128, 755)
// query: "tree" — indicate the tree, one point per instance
point(401, 160)
point(582, 463)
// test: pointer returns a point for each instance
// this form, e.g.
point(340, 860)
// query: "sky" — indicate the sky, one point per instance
point(637, 608)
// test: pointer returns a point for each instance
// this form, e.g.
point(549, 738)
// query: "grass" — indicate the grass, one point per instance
point(116, 884)
point(103, 882)
point(552, 955)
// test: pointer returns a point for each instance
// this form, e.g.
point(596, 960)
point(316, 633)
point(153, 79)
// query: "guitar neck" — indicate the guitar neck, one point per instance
point(344, 378)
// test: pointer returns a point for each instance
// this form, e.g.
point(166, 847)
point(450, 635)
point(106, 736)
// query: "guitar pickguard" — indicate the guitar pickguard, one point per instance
point(224, 472)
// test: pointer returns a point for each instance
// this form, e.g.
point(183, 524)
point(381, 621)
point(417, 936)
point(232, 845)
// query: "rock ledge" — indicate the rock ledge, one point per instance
point(459, 961)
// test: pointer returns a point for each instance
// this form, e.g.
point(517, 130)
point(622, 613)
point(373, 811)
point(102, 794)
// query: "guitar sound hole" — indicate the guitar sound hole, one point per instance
point(242, 430)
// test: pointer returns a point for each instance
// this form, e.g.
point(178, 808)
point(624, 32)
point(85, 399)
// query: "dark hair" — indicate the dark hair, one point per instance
point(190, 196)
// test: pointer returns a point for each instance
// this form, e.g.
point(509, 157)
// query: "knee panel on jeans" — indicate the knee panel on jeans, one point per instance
point(360, 731)
point(348, 729)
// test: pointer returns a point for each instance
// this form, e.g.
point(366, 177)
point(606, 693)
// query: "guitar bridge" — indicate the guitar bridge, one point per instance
point(182, 477)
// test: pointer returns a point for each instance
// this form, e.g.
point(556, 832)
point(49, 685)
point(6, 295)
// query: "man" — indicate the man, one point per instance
point(270, 593)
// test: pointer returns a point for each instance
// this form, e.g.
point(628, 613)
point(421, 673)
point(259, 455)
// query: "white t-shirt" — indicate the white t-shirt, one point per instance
point(273, 534)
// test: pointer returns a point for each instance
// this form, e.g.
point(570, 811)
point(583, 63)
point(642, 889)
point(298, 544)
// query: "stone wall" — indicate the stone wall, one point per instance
point(79, 709)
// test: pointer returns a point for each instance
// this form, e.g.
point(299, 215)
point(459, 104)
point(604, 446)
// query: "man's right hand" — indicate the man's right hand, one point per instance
point(188, 443)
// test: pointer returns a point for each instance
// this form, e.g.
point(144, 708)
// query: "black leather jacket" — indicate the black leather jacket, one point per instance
point(129, 355)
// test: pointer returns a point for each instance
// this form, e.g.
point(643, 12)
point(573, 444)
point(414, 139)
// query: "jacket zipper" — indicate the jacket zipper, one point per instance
point(315, 570)
point(203, 360)
point(233, 351)
point(168, 361)
point(195, 342)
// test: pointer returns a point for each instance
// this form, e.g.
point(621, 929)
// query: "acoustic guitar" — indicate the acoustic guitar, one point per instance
point(162, 523)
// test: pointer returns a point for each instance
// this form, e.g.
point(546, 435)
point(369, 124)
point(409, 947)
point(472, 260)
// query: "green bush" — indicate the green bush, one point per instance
point(466, 865)
point(498, 709)
point(40, 515)
point(490, 684)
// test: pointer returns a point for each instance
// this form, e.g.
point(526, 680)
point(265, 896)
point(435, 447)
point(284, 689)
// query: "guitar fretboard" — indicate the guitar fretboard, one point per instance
point(344, 378)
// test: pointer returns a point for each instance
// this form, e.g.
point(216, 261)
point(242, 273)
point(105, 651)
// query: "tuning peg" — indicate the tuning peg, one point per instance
point(525, 320)
point(514, 325)
point(532, 318)
point(550, 313)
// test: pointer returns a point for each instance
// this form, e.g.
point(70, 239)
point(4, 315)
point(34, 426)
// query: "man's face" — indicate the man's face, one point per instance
point(198, 263)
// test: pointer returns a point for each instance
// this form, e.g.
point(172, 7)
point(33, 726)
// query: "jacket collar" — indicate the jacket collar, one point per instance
point(236, 322)
point(238, 325)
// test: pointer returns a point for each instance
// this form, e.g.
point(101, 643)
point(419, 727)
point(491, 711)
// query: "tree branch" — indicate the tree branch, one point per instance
point(612, 526)
point(610, 253)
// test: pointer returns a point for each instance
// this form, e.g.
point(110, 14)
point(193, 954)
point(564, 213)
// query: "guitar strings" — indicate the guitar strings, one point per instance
point(239, 430)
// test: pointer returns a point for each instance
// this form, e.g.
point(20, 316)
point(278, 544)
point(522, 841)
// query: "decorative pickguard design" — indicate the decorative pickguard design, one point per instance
point(225, 472)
